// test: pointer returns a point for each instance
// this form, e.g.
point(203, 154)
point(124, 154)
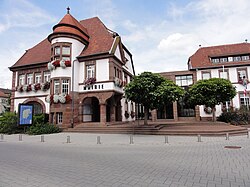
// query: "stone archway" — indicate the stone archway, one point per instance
point(39, 106)
point(91, 109)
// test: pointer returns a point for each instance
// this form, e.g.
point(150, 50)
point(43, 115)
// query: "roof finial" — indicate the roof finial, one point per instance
point(68, 9)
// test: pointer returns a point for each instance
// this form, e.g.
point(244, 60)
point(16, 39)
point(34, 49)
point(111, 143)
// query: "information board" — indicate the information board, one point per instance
point(25, 114)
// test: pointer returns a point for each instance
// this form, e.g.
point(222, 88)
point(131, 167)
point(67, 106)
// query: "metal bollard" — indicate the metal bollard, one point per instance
point(131, 140)
point(98, 140)
point(42, 138)
point(68, 139)
point(20, 137)
point(2, 137)
point(166, 139)
point(199, 137)
point(227, 136)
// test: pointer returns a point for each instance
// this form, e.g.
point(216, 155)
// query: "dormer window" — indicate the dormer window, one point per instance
point(61, 51)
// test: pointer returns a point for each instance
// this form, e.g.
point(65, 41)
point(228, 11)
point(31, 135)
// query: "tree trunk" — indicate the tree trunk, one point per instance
point(145, 116)
point(213, 112)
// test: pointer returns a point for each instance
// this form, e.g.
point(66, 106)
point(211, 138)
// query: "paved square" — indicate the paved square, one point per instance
point(115, 162)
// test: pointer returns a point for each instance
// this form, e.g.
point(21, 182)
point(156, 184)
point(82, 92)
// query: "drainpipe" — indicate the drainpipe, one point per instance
point(73, 94)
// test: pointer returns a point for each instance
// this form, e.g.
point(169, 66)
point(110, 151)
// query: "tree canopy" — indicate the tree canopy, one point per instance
point(152, 91)
point(211, 92)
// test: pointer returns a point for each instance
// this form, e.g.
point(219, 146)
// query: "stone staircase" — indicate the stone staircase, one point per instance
point(169, 128)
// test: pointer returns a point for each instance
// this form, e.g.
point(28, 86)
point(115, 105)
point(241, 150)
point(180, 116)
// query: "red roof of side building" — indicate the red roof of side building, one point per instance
point(201, 58)
point(2, 94)
point(100, 41)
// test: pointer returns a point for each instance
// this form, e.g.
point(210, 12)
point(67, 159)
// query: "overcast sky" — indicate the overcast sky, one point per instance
point(161, 34)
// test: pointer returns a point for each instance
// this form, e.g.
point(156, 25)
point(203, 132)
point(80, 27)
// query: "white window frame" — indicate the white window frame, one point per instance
point(67, 50)
point(65, 86)
point(46, 76)
point(205, 73)
point(90, 71)
point(38, 78)
point(56, 86)
point(59, 116)
point(21, 80)
point(30, 78)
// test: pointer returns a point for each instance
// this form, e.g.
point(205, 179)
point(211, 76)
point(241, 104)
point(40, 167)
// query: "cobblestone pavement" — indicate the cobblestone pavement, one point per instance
point(115, 162)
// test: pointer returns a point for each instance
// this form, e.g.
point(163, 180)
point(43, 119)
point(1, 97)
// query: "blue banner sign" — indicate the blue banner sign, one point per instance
point(25, 114)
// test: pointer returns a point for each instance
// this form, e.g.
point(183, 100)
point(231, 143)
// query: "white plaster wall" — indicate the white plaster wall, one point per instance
point(128, 66)
point(31, 93)
point(102, 70)
point(77, 73)
point(118, 53)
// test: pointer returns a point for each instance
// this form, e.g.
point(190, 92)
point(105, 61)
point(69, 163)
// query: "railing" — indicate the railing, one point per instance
point(100, 87)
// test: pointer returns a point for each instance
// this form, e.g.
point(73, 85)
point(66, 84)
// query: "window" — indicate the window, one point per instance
point(184, 80)
point(242, 73)
point(224, 59)
point(223, 74)
point(30, 78)
point(65, 50)
point(38, 78)
point(57, 51)
point(90, 71)
point(245, 58)
point(59, 117)
point(126, 105)
point(230, 59)
point(65, 86)
point(46, 76)
point(237, 58)
point(56, 86)
point(21, 79)
point(206, 75)
point(215, 60)
point(244, 99)
point(61, 51)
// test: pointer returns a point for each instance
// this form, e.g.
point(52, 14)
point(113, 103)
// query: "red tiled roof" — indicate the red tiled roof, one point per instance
point(37, 54)
point(70, 25)
point(201, 58)
point(2, 94)
point(100, 40)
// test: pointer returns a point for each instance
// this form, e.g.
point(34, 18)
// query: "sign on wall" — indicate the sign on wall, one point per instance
point(25, 114)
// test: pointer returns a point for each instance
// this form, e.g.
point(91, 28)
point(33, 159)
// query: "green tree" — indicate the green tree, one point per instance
point(152, 91)
point(211, 92)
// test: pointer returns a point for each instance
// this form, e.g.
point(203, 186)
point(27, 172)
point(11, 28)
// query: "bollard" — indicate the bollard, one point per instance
point(227, 136)
point(2, 137)
point(131, 141)
point(20, 137)
point(248, 134)
point(98, 140)
point(166, 139)
point(68, 139)
point(199, 137)
point(42, 138)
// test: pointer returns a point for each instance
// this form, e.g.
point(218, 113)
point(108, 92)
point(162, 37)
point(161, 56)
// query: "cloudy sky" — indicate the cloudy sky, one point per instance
point(161, 34)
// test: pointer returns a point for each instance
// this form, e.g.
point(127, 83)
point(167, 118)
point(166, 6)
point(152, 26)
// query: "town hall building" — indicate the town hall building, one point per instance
point(76, 75)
